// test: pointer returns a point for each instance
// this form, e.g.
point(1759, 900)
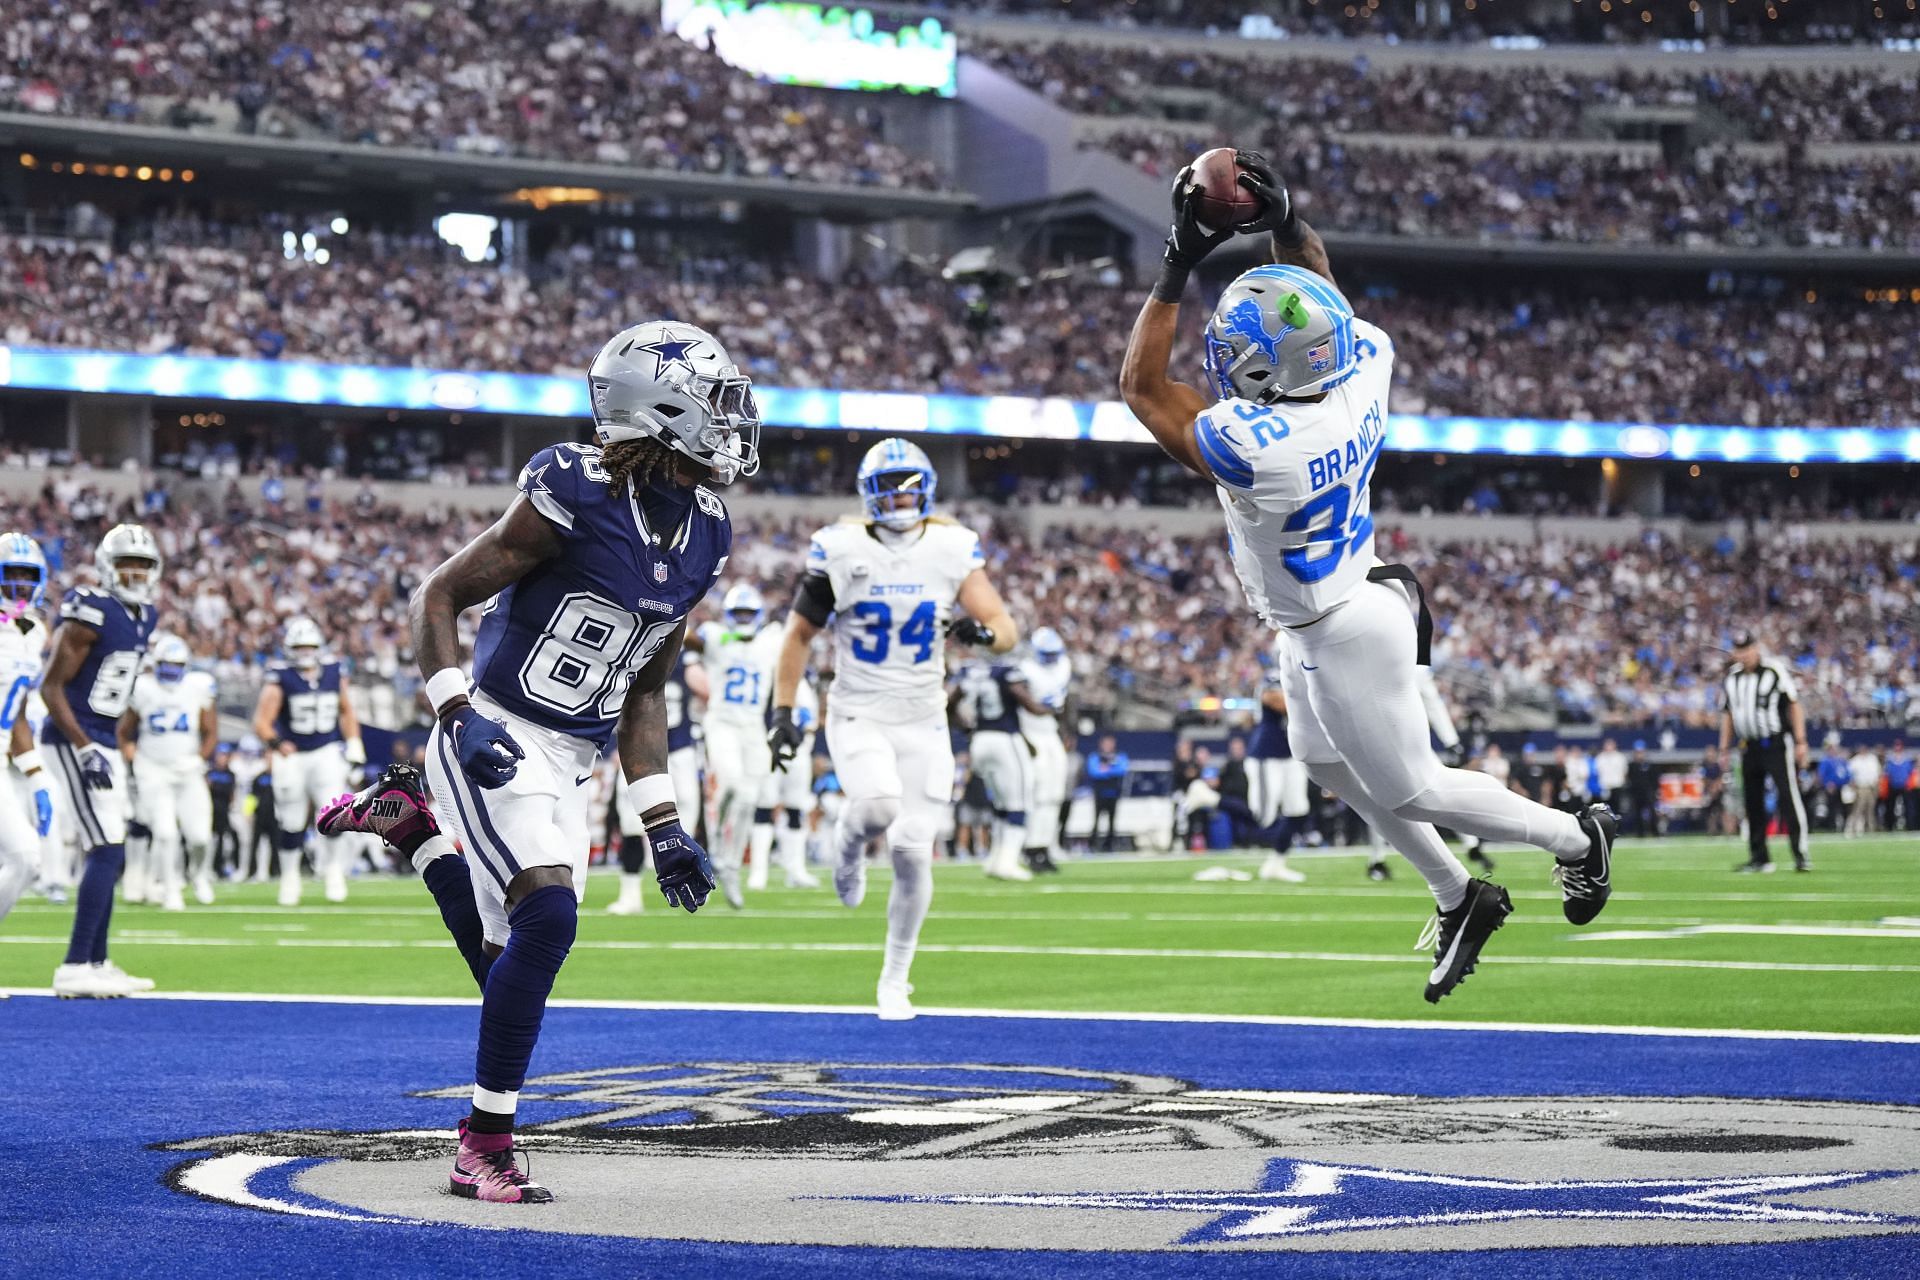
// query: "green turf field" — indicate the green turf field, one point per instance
point(1684, 943)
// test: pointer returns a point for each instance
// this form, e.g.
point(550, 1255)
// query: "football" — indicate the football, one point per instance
point(1222, 202)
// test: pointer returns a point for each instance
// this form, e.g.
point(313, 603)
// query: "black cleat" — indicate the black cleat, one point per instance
point(1801, 862)
point(1754, 869)
point(1477, 855)
point(1457, 935)
point(1378, 871)
point(1586, 885)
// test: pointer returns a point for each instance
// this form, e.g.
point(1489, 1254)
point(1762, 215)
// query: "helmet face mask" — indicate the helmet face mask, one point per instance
point(302, 643)
point(129, 563)
point(891, 471)
point(674, 383)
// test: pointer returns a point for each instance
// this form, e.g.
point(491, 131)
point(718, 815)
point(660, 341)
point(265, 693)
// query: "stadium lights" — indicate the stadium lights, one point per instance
point(1003, 418)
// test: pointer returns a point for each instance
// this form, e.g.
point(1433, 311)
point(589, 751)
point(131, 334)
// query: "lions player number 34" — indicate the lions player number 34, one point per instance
point(919, 631)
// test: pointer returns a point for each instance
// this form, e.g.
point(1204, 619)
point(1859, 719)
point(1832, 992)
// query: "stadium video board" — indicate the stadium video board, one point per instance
point(829, 47)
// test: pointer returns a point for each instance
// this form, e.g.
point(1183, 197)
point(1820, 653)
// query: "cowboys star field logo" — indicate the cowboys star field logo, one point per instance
point(986, 1156)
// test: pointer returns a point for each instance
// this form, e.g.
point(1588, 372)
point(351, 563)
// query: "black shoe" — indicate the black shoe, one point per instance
point(1586, 885)
point(1458, 935)
point(1378, 871)
point(1477, 855)
point(1755, 868)
point(1044, 864)
point(1801, 863)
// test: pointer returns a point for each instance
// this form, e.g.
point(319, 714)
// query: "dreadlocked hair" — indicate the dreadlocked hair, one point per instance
point(638, 460)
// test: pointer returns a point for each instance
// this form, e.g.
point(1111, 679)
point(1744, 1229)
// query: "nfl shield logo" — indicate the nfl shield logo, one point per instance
point(1320, 358)
point(659, 571)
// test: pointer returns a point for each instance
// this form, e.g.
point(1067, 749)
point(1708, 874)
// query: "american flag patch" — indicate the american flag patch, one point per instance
point(1320, 358)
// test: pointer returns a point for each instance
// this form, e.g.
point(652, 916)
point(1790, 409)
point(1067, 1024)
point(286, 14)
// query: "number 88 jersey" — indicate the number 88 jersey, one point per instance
point(561, 646)
point(100, 689)
point(892, 597)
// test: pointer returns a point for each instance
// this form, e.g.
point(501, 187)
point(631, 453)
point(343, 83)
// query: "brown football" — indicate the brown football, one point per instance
point(1222, 202)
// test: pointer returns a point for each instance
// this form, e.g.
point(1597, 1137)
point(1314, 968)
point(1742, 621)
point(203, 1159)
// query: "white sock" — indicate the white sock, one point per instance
point(793, 850)
point(434, 846)
point(907, 907)
point(1473, 803)
point(632, 884)
point(760, 851)
point(1008, 841)
point(1417, 842)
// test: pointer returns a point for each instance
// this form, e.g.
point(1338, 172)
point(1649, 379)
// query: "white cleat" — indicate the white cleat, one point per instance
point(757, 877)
point(121, 976)
point(893, 1002)
point(803, 880)
point(289, 893)
point(173, 900)
point(86, 982)
point(1276, 868)
point(1012, 871)
point(336, 885)
point(730, 889)
point(850, 882)
point(627, 904)
point(203, 890)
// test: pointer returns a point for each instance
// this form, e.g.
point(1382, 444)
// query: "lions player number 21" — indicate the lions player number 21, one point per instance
point(589, 653)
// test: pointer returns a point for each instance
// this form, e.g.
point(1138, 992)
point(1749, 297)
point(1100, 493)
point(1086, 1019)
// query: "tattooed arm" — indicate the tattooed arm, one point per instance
point(642, 732)
point(492, 562)
point(1308, 251)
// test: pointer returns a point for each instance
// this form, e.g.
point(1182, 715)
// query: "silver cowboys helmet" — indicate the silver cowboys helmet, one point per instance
point(128, 542)
point(1280, 331)
point(302, 643)
point(675, 383)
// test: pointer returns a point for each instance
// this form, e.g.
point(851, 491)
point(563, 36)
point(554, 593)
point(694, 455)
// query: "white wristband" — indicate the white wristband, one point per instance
point(649, 792)
point(29, 761)
point(444, 685)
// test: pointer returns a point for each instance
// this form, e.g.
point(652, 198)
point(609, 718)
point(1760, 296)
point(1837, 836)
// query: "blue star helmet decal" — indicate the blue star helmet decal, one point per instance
point(670, 351)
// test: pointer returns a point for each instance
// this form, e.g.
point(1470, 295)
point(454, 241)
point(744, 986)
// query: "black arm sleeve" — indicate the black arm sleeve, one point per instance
point(813, 599)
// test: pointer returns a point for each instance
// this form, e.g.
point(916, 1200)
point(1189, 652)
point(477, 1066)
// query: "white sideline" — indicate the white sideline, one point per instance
point(1055, 1015)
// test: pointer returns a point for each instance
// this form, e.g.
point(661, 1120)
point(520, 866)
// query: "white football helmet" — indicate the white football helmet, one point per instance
point(744, 608)
point(675, 383)
point(170, 659)
point(302, 642)
point(1047, 645)
point(129, 542)
point(23, 566)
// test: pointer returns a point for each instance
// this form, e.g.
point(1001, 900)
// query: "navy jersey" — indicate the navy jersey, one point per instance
point(987, 694)
point(679, 703)
point(101, 688)
point(309, 705)
point(561, 646)
point(1269, 738)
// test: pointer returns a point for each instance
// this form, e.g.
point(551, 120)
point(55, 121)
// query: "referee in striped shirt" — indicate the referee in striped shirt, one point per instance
point(1763, 711)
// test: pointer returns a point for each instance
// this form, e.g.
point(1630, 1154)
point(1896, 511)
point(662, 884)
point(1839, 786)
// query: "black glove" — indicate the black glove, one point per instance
point(784, 738)
point(969, 631)
point(1188, 243)
point(1276, 206)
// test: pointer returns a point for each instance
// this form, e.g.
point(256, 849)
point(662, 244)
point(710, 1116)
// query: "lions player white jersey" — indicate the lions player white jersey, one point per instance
point(23, 651)
point(740, 668)
point(1048, 682)
point(170, 716)
point(1293, 480)
point(891, 601)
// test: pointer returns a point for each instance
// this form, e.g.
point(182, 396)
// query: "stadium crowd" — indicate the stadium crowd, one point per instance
point(1326, 95)
point(183, 286)
point(591, 81)
point(1629, 636)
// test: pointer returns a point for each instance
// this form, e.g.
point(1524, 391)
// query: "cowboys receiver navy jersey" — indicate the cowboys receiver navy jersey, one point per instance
point(986, 692)
point(561, 646)
point(1268, 741)
point(309, 706)
point(679, 704)
point(101, 688)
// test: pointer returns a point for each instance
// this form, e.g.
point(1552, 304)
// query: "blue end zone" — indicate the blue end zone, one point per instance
point(91, 1086)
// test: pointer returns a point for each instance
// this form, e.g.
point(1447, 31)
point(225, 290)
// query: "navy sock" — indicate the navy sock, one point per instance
point(1280, 834)
point(543, 926)
point(763, 817)
point(93, 903)
point(633, 854)
point(451, 885)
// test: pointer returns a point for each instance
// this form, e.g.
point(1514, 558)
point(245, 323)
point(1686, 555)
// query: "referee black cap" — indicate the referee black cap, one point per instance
point(1741, 639)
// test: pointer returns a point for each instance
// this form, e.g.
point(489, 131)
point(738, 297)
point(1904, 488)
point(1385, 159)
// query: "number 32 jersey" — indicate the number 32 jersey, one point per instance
point(1293, 478)
point(101, 688)
point(891, 601)
point(561, 646)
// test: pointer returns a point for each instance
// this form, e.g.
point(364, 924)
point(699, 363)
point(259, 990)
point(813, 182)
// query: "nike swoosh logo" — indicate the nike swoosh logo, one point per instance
point(1305, 667)
point(583, 780)
point(564, 459)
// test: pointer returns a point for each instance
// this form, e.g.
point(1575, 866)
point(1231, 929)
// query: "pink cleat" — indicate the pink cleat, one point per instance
point(394, 808)
point(485, 1170)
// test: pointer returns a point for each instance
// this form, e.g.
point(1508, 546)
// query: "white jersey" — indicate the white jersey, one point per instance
point(891, 601)
point(170, 716)
point(1048, 682)
point(1293, 481)
point(23, 654)
point(740, 671)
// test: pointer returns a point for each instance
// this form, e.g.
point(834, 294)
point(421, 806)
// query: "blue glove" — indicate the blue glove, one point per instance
point(488, 754)
point(42, 811)
point(96, 770)
point(682, 867)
